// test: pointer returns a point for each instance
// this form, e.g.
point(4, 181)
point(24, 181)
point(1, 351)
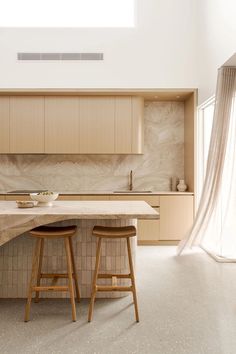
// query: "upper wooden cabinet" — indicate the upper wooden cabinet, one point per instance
point(129, 125)
point(97, 125)
point(61, 124)
point(4, 124)
point(111, 125)
point(137, 124)
point(123, 124)
point(71, 124)
point(26, 124)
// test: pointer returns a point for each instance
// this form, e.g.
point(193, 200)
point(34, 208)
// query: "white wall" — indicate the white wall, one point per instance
point(160, 52)
point(176, 44)
point(216, 41)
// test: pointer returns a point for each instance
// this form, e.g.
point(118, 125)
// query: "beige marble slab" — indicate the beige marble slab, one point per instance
point(15, 221)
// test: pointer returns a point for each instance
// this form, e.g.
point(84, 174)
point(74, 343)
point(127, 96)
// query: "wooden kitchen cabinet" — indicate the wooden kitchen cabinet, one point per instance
point(123, 124)
point(2, 197)
point(71, 124)
point(69, 197)
point(176, 216)
point(128, 125)
point(137, 124)
point(4, 124)
point(149, 231)
point(97, 125)
point(26, 124)
point(14, 197)
point(61, 124)
point(111, 125)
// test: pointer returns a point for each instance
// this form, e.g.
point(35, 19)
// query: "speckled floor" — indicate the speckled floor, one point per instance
point(187, 305)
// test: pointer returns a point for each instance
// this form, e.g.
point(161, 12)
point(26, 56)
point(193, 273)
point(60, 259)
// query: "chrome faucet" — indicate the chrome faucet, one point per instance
point(131, 180)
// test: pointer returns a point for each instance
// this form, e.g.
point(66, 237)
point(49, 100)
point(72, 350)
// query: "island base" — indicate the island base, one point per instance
point(16, 260)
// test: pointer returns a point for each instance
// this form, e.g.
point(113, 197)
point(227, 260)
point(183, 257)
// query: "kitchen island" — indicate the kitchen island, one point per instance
point(16, 252)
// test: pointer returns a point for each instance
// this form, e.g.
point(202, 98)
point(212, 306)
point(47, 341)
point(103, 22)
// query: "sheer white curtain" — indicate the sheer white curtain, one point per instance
point(214, 228)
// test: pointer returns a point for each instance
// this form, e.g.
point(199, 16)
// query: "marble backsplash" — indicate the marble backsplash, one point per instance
point(163, 157)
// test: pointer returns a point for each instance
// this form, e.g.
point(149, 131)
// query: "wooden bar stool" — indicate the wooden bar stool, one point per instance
point(118, 233)
point(52, 232)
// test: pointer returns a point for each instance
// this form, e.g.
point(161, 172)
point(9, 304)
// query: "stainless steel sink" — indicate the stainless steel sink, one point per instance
point(133, 191)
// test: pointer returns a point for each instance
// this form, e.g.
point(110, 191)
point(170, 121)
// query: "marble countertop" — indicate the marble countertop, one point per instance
point(86, 209)
point(108, 193)
point(15, 221)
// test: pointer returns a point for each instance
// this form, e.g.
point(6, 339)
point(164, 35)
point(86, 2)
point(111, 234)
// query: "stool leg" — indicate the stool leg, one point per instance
point(39, 269)
point(95, 276)
point(74, 270)
point(34, 271)
point(132, 280)
point(70, 278)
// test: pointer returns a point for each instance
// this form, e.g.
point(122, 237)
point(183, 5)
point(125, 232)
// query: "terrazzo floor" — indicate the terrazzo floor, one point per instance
point(187, 305)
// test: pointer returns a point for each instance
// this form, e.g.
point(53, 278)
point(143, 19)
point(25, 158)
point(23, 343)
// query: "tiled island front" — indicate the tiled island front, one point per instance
point(16, 252)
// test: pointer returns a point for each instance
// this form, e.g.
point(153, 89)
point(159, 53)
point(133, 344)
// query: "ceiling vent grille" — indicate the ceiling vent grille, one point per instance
point(59, 56)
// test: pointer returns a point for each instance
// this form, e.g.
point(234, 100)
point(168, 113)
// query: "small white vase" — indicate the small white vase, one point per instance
point(181, 186)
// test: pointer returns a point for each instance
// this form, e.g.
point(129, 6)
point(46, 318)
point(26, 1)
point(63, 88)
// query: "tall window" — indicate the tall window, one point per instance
point(204, 127)
point(67, 13)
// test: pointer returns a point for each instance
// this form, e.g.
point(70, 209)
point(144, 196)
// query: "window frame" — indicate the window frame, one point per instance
point(201, 150)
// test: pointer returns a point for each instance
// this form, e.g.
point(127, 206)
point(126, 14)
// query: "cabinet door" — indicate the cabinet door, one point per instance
point(176, 216)
point(137, 125)
point(149, 230)
point(4, 124)
point(26, 124)
point(18, 197)
point(61, 124)
point(2, 197)
point(123, 125)
point(97, 125)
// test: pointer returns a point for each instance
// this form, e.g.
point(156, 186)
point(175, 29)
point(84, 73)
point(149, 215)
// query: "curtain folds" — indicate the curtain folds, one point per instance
point(214, 228)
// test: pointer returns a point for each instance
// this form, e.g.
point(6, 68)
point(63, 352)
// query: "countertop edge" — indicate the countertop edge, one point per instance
point(4, 193)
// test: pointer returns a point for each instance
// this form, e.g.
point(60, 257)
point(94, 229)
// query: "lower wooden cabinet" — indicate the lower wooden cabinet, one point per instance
point(148, 231)
point(15, 197)
point(69, 197)
point(176, 216)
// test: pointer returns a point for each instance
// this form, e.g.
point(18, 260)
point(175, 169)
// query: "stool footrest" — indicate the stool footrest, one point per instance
point(121, 276)
point(50, 288)
point(57, 275)
point(113, 288)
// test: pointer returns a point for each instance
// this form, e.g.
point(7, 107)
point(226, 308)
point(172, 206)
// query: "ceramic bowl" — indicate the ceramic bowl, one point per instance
point(44, 199)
